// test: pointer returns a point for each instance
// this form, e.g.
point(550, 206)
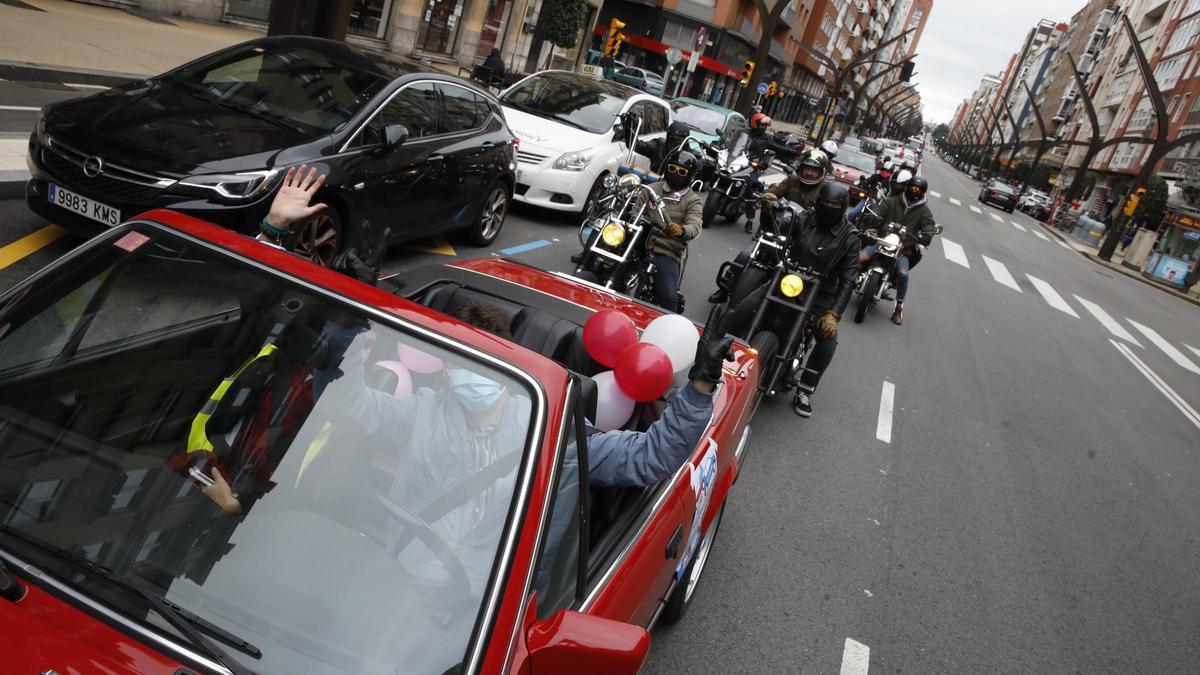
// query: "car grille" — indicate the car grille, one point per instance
point(530, 157)
point(114, 183)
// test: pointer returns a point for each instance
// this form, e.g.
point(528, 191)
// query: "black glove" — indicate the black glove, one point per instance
point(363, 265)
point(710, 356)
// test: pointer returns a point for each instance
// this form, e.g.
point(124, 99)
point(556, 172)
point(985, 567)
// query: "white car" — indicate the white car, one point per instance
point(565, 124)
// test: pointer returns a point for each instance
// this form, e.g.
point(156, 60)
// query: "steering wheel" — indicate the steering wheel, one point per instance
point(435, 542)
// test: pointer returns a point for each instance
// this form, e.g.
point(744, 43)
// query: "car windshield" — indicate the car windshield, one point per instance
point(279, 464)
point(292, 85)
point(581, 102)
point(704, 119)
point(856, 160)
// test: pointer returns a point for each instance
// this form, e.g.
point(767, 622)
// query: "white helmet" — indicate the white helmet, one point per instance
point(900, 180)
point(830, 149)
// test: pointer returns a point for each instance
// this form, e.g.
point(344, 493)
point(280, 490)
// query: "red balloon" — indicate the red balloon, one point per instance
point(608, 333)
point(643, 371)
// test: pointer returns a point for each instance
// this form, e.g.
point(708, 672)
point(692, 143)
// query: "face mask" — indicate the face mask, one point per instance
point(827, 216)
point(477, 393)
point(677, 181)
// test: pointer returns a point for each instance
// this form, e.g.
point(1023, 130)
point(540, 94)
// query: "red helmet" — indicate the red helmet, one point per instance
point(759, 121)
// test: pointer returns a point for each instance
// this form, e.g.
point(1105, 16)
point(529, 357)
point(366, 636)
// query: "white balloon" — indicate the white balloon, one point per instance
point(613, 407)
point(676, 336)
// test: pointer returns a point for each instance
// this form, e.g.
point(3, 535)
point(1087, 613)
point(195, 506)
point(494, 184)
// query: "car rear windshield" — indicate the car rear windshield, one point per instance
point(581, 102)
point(1001, 187)
point(704, 119)
point(359, 491)
point(295, 86)
point(856, 160)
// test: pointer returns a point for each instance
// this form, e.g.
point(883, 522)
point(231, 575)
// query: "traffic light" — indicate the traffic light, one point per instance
point(906, 71)
point(747, 72)
point(780, 93)
point(770, 89)
point(612, 42)
point(1132, 203)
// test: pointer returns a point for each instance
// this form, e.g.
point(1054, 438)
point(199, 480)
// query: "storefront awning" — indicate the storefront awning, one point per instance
point(661, 48)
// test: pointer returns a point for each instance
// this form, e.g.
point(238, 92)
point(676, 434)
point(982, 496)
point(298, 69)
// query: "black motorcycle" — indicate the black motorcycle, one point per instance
point(877, 280)
point(777, 322)
point(735, 181)
point(616, 244)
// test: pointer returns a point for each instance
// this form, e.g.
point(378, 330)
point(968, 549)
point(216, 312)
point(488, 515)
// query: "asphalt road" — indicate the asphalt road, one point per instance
point(1034, 509)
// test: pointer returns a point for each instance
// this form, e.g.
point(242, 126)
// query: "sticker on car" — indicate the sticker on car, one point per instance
point(703, 474)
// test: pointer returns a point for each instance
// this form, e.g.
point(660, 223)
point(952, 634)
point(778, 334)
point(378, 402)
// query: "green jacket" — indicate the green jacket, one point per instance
point(689, 213)
point(917, 219)
point(792, 189)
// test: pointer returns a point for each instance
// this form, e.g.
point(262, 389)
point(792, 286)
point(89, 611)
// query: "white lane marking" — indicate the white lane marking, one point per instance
point(88, 86)
point(1041, 236)
point(883, 428)
point(1000, 273)
point(1064, 245)
point(955, 202)
point(1169, 349)
point(856, 658)
point(954, 253)
point(1188, 411)
point(1018, 226)
point(1051, 296)
point(975, 209)
point(998, 218)
point(1107, 321)
point(935, 194)
point(19, 107)
point(1194, 350)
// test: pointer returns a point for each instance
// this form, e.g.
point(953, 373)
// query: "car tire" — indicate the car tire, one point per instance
point(681, 597)
point(491, 216)
point(1009, 209)
point(321, 238)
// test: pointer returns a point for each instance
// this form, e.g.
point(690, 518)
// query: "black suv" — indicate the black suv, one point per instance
point(418, 153)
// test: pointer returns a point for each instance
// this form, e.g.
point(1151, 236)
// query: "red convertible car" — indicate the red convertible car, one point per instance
point(190, 478)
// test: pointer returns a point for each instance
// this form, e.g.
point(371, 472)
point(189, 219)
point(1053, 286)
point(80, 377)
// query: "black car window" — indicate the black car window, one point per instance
point(461, 113)
point(415, 107)
point(658, 115)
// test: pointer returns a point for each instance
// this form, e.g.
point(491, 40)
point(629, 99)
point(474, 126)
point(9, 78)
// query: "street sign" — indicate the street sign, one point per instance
point(674, 56)
point(701, 39)
point(693, 60)
point(762, 87)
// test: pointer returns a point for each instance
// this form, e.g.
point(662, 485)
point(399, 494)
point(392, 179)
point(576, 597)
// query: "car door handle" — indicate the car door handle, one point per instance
point(488, 145)
point(433, 159)
point(673, 544)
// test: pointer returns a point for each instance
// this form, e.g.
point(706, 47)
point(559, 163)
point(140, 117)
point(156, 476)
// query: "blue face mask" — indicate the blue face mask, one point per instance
point(477, 393)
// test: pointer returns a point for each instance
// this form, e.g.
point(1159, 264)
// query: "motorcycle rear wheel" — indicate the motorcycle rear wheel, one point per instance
point(870, 290)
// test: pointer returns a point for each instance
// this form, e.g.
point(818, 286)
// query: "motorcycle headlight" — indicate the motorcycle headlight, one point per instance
point(574, 161)
point(613, 234)
point(236, 186)
point(791, 285)
point(629, 180)
point(609, 182)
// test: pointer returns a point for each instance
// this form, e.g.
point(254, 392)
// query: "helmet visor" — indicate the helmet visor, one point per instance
point(810, 172)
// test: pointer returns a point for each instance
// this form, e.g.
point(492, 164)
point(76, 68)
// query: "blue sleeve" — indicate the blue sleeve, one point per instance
point(630, 458)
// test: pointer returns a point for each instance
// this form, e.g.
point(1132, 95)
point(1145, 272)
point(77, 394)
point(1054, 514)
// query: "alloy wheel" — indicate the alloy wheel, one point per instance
point(493, 214)
point(318, 241)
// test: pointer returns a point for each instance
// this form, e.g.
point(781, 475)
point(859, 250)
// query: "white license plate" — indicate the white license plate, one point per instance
point(84, 206)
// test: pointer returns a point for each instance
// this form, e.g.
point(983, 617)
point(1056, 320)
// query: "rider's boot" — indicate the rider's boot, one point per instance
point(802, 401)
point(898, 315)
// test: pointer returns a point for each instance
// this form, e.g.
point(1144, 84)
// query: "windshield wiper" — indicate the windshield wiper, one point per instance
point(195, 92)
point(179, 618)
point(570, 122)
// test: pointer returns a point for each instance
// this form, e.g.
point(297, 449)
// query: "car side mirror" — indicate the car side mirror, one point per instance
point(394, 136)
point(572, 642)
point(937, 229)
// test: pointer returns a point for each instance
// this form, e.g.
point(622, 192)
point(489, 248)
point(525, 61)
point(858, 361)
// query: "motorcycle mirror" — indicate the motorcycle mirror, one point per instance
point(937, 229)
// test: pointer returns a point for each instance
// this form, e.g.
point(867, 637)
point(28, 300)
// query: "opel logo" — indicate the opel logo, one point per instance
point(93, 166)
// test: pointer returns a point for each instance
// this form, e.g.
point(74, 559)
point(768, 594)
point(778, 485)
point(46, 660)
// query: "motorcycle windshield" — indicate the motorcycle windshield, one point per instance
point(739, 145)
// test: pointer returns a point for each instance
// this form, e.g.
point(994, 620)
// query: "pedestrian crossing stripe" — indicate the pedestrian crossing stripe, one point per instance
point(997, 218)
point(938, 195)
point(1051, 296)
point(1107, 321)
point(1001, 274)
point(1018, 226)
point(1041, 236)
point(975, 209)
point(955, 202)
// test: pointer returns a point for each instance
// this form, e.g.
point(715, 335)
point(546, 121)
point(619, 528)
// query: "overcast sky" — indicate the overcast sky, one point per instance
point(963, 39)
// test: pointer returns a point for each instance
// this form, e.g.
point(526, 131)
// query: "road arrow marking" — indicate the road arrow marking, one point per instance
point(1168, 348)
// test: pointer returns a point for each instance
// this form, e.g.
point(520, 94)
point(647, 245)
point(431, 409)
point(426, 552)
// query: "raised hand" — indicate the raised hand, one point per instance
point(291, 202)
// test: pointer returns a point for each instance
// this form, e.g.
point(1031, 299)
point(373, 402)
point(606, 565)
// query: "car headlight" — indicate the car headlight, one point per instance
point(236, 186)
point(574, 161)
point(791, 285)
point(39, 126)
point(613, 234)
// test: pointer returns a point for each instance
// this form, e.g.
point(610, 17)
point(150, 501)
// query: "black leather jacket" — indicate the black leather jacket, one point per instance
point(834, 255)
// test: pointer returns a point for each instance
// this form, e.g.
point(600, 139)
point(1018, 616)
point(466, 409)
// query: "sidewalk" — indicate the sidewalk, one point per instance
point(1092, 254)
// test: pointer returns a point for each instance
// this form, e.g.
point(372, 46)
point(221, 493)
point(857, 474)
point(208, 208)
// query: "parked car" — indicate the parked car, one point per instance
point(999, 193)
point(851, 167)
point(1035, 204)
point(713, 122)
point(571, 137)
point(640, 78)
point(348, 545)
point(214, 137)
point(1031, 196)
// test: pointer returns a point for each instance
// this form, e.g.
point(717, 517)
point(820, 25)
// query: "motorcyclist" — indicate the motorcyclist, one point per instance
point(660, 150)
point(896, 184)
point(684, 222)
point(830, 149)
point(828, 243)
point(909, 208)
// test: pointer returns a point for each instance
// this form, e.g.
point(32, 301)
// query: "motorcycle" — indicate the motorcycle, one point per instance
point(779, 328)
point(732, 186)
point(876, 282)
point(616, 244)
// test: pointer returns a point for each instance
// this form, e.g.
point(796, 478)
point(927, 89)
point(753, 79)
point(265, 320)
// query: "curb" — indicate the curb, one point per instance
point(21, 71)
point(1053, 231)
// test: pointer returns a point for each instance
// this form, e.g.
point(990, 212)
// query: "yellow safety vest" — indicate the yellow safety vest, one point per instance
point(198, 436)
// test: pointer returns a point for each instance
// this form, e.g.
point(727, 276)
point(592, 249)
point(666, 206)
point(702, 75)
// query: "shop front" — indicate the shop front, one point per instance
point(1176, 258)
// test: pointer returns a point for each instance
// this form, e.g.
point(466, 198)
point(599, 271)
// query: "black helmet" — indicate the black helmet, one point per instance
point(915, 190)
point(677, 133)
point(681, 169)
point(812, 167)
point(832, 202)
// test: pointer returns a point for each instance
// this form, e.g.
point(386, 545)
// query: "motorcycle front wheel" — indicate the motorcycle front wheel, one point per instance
point(868, 296)
point(712, 205)
point(767, 345)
